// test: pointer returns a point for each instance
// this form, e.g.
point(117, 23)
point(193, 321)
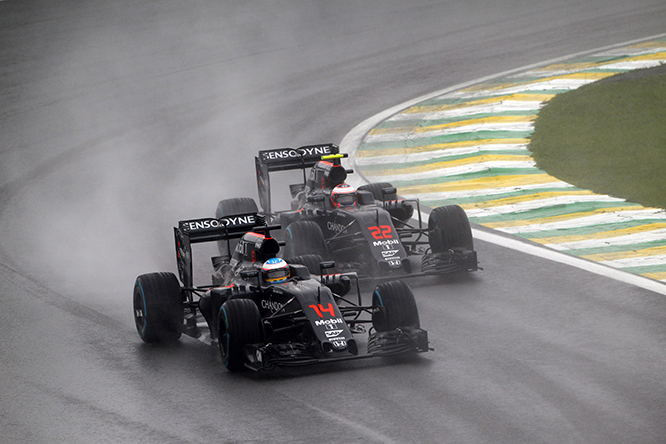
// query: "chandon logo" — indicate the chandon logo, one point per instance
point(336, 228)
point(271, 305)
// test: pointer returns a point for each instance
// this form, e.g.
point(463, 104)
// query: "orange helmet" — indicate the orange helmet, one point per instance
point(344, 195)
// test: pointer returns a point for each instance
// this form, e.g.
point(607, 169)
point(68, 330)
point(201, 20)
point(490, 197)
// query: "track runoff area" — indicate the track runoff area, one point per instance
point(468, 145)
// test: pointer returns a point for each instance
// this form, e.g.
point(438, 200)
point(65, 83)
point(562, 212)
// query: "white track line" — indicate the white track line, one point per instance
point(352, 141)
point(592, 267)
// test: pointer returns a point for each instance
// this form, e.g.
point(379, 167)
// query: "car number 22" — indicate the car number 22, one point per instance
point(381, 232)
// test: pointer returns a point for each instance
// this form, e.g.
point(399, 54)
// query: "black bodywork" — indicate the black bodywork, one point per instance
point(308, 319)
point(377, 237)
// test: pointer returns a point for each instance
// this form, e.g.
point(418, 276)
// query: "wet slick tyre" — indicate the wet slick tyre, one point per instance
point(302, 238)
point(376, 189)
point(231, 207)
point(158, 307)
point(239, 325)
point(236, 205)
point(393, 306)
point(448, 228)
point(311, 261)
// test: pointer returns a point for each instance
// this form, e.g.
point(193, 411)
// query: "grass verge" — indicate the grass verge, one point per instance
point(608, 137)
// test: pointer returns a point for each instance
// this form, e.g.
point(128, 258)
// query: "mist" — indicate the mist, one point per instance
point(116, 129)
point(121, 118)
point(118, 119)
point(126, 126)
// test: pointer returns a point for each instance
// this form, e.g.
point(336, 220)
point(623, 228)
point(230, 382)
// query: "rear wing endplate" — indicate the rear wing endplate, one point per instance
point(195, 231)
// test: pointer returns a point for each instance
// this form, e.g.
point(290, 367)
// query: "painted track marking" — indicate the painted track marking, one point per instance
point(455, 134)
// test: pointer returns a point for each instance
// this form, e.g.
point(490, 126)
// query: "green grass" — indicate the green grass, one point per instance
point(608, 137)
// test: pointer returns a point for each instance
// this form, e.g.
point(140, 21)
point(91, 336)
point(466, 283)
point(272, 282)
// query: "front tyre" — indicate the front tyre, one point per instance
point(158, 307)
point(393, 306)
point(449, 228)
point(239, 325)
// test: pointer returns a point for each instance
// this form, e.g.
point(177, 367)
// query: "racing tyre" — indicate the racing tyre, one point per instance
point(230, 207)
point(311, 261)
point(239, 325)
point(393, 306)
point(448, 228)
point(304, 237)
point(376, 190)
point(236, 205)
point(158, 307)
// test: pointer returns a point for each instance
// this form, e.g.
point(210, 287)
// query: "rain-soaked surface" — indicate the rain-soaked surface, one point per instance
point(120, 118)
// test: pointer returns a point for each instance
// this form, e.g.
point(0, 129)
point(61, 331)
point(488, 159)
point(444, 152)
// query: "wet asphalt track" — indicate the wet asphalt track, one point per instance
point(120, 118)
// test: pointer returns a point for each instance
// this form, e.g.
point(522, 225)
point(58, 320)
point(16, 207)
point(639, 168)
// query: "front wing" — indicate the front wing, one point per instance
point(400, 341)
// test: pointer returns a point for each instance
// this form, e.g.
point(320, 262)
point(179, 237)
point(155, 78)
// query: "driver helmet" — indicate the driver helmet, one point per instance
point(275, 271)
point(344, 195)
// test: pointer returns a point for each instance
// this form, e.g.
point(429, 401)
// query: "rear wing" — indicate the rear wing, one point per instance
point(283, 159)
point(195, 231)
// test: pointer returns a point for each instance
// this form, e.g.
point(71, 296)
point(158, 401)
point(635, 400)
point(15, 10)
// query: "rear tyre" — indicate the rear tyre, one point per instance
point(393, 306)
point(376, 190)
point(311, 261)
point(304, 237)
point(158, 307)
point(231, 207)
point(236, 205)
point(449, 228)
point(239, 325)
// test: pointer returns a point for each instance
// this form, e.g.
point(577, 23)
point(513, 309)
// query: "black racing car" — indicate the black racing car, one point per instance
point(369, 230)
point(265, 313)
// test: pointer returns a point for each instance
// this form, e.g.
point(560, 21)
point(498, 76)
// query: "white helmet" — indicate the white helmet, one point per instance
point(275, 271)
point(344, 195)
